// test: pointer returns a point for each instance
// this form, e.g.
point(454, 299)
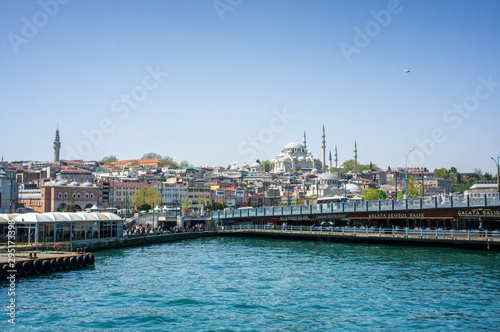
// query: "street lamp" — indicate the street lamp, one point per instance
point(406, 170)
point(497, 162)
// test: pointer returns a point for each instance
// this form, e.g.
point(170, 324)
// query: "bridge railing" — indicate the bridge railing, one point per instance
point(352, 206)
point(366, 230)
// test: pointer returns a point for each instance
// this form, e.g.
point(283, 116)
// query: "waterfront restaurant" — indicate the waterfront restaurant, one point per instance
point(61, 226)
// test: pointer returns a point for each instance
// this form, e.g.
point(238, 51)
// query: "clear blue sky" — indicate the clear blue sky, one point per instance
point(223, 74)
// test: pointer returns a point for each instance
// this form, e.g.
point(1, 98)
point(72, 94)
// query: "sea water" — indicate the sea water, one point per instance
point(249, 284)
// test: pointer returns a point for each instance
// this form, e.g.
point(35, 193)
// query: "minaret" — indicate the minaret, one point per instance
point(355, 153)
point(330, 162)
point(57, 146)
point(305, 146)
point(336, 159)
point(323, 147)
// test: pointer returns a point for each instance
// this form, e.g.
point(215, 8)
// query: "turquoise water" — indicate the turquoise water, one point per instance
point(238, 284)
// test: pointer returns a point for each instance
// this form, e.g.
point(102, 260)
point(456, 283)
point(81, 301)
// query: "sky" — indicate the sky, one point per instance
point(232, 81)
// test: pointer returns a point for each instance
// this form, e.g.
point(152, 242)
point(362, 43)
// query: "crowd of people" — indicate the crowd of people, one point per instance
point(140, 229)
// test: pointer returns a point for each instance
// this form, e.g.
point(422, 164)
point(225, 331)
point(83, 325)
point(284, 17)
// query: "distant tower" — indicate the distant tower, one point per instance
point(323, 146)
point(330, 162)
point(57, 146)
point(336, 159)
point(355, 153)
point(305, 146)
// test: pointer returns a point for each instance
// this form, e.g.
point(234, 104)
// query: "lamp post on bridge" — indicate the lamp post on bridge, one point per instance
point(406, 172)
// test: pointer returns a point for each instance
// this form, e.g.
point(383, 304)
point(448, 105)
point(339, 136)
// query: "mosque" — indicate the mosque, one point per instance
point(295, 157)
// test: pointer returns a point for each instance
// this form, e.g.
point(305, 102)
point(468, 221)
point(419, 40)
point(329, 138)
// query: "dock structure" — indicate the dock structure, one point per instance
point(437, 238)
point(35, 263)
point(455, 212)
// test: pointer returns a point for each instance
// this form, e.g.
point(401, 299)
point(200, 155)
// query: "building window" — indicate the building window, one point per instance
point(60, 195)
point(78, 195)
point(91, 196)
point(74, 195)
point(65, 195)
point(87, 195)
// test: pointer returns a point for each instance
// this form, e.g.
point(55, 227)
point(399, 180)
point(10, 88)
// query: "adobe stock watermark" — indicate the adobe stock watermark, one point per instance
point(373, 28)
point(254, 143)
point(453, 118)
point(30, 27)
point(223, 6)
point(122, 107)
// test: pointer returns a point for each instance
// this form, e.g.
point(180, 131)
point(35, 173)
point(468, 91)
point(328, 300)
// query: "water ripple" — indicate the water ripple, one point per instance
point(240, 284)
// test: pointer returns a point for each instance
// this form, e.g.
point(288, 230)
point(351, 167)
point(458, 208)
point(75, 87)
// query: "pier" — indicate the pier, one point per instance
point(454, 212)
point(32, 263)
point(439, 238)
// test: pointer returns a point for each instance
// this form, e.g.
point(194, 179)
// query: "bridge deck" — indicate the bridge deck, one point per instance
point(477, 242)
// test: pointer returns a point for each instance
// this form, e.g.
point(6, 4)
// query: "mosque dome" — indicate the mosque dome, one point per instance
point(74, 184)
point(234, 168)
point(327, 176)
point(294, 145)
point(314, 171)
point(60, 183)
point(256, 165)
point(87, 184)
point(244, 166)
point(353, 188)
point(301, 158)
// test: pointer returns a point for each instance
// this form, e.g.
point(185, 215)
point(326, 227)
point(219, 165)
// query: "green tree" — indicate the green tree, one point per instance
point(185, 203)
point(351, 165)
point(169, 162)
point(70, 208)
point(441, 173)
point(267, 166)
point(411, 191)
point(109, 159)
point(215, 206)
point(144, 207)
point(146, 195)
point(371, 194)
point(185, 164)
point(152, 155)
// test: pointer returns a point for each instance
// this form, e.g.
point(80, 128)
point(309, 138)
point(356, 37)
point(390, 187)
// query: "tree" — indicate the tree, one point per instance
point(441, 173)
point(185, 164)
point(216, 206)
point(185, 203)
point(144, 207)
point(152, 155)
point(169, 162)
point(146, 195)
point(371, 194)
point(411, 191)
point(109, 159)
point(267, 166)
point(70, 208)
point(351, 165)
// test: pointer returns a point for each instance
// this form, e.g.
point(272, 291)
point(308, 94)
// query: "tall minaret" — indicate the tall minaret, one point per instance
point(305, 146)
point(336, 159)
point(330, 162)
point(355, 153)
point(324, 146)
point(57, 146)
